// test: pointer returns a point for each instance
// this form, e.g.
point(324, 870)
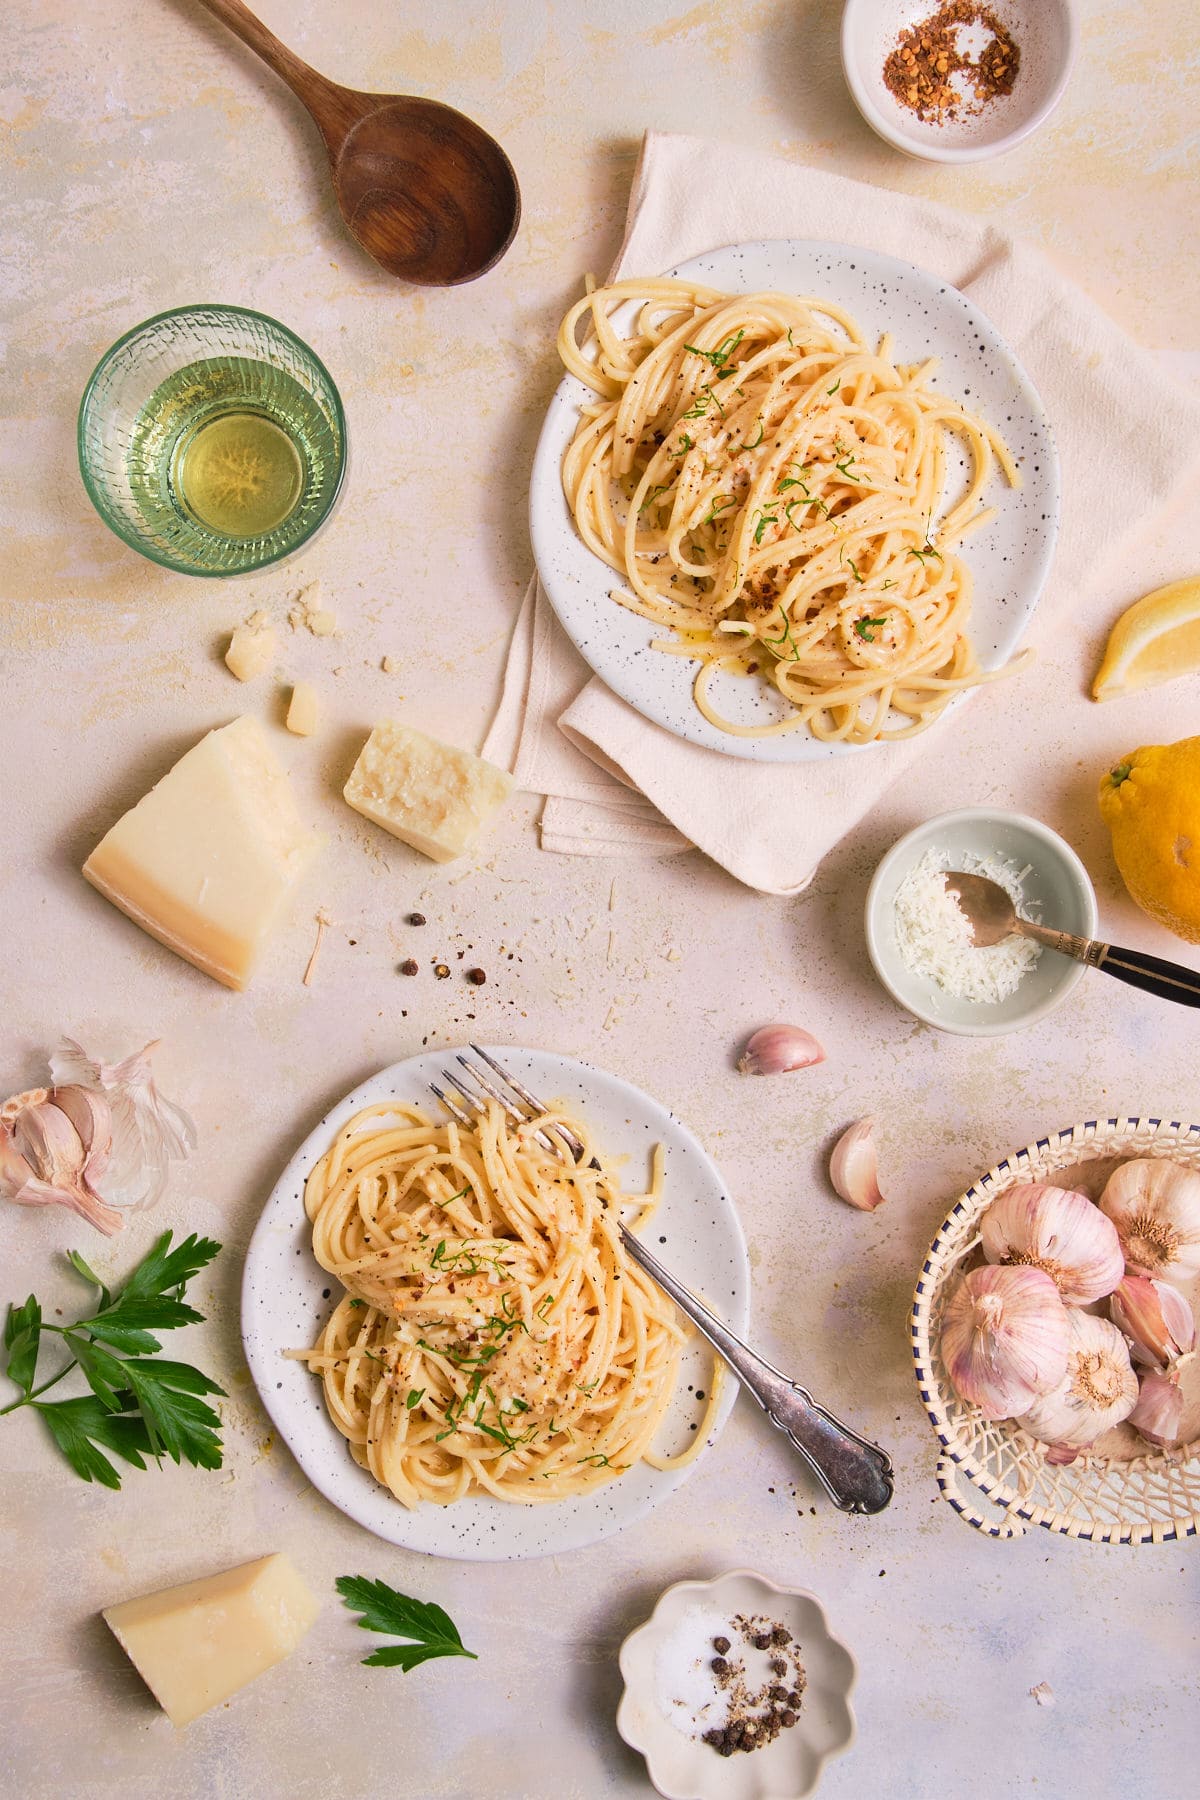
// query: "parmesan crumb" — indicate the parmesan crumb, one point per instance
point(251, 647)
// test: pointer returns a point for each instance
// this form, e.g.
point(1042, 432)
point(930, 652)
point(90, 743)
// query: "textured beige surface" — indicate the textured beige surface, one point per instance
point(150, 161)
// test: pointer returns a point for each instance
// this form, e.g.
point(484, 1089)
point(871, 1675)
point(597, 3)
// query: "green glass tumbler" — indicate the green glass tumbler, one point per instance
point(212, 440)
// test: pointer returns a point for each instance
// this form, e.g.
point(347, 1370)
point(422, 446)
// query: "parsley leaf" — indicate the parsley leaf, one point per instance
point(105, 1373)
point(81, 1268)
point(80, 1426)
point(431, 1631)
point(124, 1324)
point(866, 628)
point(721, 355)
point(22, 1333)
point(178, 1422)
point(166, 1270)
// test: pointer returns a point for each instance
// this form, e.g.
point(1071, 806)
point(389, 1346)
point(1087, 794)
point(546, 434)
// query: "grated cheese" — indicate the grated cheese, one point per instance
point(934, 938)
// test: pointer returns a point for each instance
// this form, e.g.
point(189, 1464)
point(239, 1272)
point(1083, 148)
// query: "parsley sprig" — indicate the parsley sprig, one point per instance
point(141, 1404)
point(430, 1631)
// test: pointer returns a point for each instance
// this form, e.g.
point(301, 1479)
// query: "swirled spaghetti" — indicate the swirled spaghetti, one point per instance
point(770, 486)
point(494, 1336)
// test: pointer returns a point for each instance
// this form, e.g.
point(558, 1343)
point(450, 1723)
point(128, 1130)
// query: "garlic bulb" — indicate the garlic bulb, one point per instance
point(1097, 1391)
point(102, 1134)
point(1004, 1339)
point(1156, 1317)
point(1159, 1410)
point(777, 1049)
point(1057, 1230)
point(1155, 1206)
point(853, 1168)
point(149, 1132)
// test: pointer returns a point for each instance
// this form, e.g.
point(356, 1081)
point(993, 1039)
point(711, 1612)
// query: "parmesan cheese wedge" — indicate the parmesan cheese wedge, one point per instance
point(428, 794)
point(197, 1644)
point(206, 861)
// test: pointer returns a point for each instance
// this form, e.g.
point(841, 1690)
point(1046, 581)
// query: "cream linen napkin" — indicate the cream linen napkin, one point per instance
point(618, 784)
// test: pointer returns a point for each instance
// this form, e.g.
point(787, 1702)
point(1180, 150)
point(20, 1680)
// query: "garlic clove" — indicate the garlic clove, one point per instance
point(79, 1199)
point(1159, 1410)
point(1098, 1389)
point(91, 1115)
point(854, 1168)
point(14, 1170)
point(1156, 1316)
point(1004, 1338)
point(50, 1144)
point(1057, 1230)
point(17, 1103)
point(778, 1049)
point(1155, 1206)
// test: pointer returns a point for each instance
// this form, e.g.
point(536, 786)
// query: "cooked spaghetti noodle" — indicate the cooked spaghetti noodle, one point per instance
point(494, 1336)
point(769, 486)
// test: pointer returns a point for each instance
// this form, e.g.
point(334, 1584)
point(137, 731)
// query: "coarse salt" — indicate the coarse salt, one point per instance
point(934, 937)
point(685, 1686)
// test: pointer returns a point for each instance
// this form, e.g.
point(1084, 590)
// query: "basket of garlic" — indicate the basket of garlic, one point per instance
point(1054, 1339)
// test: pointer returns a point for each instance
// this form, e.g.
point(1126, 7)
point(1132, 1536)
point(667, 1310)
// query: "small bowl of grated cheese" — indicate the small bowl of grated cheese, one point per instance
point(920, 943)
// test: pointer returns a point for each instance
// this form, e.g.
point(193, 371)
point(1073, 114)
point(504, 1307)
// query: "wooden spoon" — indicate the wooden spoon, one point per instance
point(424, 189)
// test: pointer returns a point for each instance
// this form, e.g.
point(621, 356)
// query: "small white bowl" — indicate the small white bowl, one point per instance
point(1057, 890)
point(1046, 34)
point(682, 1767)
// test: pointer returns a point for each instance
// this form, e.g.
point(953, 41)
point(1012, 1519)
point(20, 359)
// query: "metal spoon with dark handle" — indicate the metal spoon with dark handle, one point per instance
point(991, 915)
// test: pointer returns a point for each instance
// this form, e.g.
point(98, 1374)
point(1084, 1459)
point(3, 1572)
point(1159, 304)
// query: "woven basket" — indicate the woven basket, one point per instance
point(1122, 1493)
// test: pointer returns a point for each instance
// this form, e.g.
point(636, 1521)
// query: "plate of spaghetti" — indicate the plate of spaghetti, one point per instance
point(793, 498)
point(448, 1333)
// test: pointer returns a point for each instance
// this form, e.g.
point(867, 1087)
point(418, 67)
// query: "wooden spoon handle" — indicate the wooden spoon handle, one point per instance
point(332, 107)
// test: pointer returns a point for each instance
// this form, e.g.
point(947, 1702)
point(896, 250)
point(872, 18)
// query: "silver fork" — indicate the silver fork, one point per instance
point(855, 1473)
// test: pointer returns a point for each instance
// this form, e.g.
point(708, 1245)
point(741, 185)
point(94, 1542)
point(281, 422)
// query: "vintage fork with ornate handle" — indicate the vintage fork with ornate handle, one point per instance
point(856, 1473)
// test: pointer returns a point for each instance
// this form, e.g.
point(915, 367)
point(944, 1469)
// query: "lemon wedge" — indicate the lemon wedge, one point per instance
point(1155, 640)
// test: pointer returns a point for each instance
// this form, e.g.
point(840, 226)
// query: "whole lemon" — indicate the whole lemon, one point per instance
point(1150, 801)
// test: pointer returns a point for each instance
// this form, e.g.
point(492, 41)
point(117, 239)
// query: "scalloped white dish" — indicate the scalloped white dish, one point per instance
point(286, 1297)
point(1009, 558)
point(683, 1767)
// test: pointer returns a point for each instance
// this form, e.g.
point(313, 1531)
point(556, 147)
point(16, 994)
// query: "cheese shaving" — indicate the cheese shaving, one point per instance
point(934, 938)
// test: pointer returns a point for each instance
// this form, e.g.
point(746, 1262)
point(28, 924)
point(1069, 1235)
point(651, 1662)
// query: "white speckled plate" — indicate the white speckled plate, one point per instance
point(1009, 558)
point(685, 1768)
point(286, 1297)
